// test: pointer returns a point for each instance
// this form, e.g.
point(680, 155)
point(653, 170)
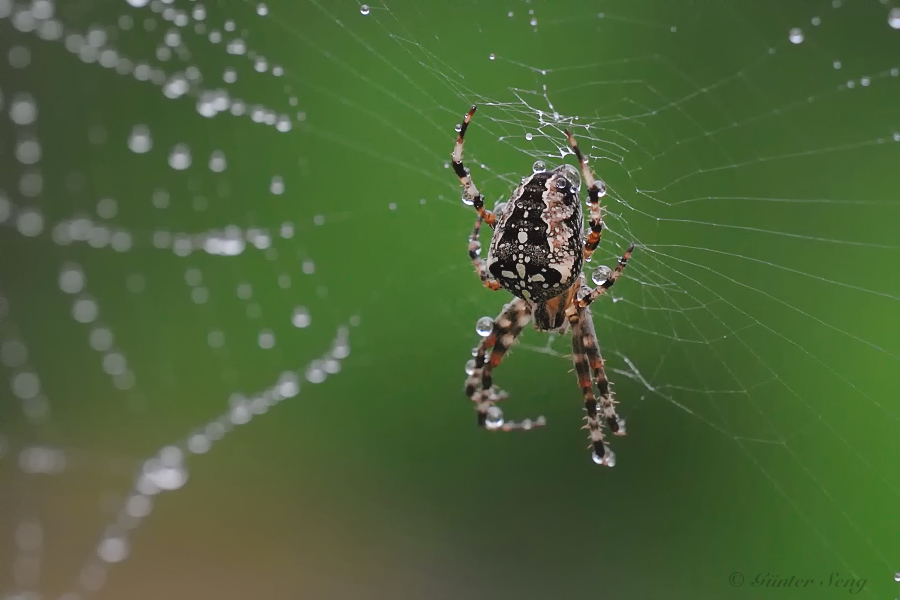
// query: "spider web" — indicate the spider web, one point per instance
point(749, 152)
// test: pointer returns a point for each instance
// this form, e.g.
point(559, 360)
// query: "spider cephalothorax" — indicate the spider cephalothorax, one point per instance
point(536, 253)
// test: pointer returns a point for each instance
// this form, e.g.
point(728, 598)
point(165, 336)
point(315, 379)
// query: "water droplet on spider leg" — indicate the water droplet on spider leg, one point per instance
point(499, 208)
point(484, 326)
point(466, 199)
point(458, 128)
point(494, 418)
point(475, 247)
point(620, 422)
point(601, 275)
point(562, 183)
point(470, 366)
point(607, 460)
point(601, 185)
point(538, 166)
point(364, 9)
point(795, 35)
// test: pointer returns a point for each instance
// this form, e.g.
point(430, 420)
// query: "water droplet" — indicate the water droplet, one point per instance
point(492, 56)
point(529, 137)
point(620, 423)
point(538, 167)
point(364, 9)
point(816, 21)
point(475, 247)
point(466, 199)
point(533, 21)
point(897, 576)
point(894, 21)
point(180, 157)
point(262, 10)
point(602, 188)
point(795, 35)
point(484, 326)
point(470, 366)
point(301, 317)
point(572, 174)
point(608, 459)
point(561, 183)
point(494, 418)
point(601, 275)
point(836, 64)
point(499, 208)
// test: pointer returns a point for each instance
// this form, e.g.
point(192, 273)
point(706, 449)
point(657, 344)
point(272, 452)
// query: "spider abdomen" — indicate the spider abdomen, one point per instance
point(536, 250)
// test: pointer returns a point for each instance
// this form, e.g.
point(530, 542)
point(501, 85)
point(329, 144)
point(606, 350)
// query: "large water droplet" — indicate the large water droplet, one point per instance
point(466, 199)
point(538, 167)
point(572, 174)
point(601, 275)
point(494, 418)
point(484, 326)
point(364, 9)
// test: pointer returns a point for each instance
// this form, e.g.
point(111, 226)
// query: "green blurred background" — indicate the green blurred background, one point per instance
point(753, 341)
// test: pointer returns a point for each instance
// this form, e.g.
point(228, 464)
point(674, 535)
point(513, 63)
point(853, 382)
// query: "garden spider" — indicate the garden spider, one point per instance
point(536, 253)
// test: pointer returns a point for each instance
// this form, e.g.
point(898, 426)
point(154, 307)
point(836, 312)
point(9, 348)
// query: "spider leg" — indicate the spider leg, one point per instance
point(463, 173)
point(586, 300)
point(480, 264)
point(587, 355)
point(488, 355)
point(596, 190)
point(583, 338)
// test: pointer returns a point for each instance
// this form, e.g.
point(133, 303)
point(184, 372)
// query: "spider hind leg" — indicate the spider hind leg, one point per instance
point(587, 358)
point(489, 353)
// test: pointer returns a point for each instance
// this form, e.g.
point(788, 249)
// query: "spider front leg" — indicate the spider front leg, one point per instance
point(586, 355)
point(586, 299)
point(596, 190)
point(488, 355)
point(465, 178)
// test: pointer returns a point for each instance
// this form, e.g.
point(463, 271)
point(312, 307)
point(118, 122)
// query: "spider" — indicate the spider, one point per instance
point(536, 253)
